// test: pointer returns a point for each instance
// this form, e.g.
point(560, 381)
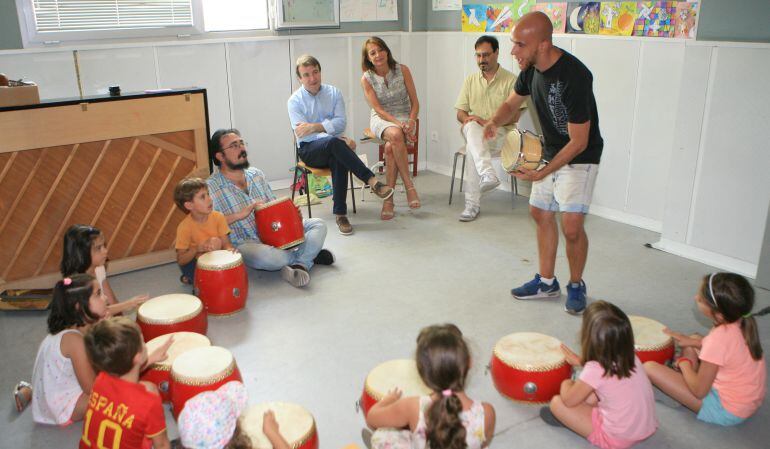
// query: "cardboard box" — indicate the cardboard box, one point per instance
point(19, 96)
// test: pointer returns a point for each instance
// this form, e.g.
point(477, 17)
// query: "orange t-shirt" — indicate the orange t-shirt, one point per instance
point(741, 381)
point(190, 233)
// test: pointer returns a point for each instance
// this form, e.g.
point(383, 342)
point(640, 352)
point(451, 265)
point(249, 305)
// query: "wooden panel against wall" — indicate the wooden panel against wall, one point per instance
point(123, 186)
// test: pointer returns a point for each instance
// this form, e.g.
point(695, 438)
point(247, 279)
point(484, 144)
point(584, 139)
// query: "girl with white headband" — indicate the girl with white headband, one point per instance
point(722, 376)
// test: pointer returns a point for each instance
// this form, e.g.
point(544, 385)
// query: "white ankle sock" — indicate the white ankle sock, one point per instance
point(547, 281)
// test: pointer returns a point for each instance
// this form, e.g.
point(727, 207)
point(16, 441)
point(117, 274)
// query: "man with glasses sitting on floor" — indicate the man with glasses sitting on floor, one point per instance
point(236, 190)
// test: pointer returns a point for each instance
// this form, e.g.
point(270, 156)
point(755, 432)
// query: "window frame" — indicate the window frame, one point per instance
point(33, 38)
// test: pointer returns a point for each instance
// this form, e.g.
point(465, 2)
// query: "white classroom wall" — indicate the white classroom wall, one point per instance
point(685, 123)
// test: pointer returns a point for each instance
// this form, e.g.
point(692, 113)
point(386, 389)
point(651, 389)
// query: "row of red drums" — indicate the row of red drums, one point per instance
point(194, 365)
point(525, 366)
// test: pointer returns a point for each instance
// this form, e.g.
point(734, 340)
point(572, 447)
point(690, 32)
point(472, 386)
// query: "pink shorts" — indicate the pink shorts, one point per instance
point(600, 439)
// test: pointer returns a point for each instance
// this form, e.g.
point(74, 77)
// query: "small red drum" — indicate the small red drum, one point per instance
point(650, 342)
point(221, 282)
point(279, 224)
point(529, 367)
point(159, 373)
point(401, 373)
point(199, 370)
point(171, 313)
point(296, 425)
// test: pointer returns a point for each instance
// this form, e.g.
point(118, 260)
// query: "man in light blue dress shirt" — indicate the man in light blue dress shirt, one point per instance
point(317, 114)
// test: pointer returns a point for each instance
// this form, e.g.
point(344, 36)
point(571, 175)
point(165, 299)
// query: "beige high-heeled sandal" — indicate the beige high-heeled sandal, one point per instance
point(415, 202)
point(387, 212)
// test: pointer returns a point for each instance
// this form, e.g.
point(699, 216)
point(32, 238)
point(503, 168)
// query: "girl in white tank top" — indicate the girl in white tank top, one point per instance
point(62, 375)
point(443, 361)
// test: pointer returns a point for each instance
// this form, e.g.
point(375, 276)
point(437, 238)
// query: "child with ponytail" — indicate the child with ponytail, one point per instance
point(448, 418)
point(722, 376)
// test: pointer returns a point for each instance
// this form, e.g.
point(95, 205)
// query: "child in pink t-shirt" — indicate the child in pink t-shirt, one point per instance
point(611, 403)
point(722, 376)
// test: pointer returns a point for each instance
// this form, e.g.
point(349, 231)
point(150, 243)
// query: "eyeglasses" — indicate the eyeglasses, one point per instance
point(237, 144)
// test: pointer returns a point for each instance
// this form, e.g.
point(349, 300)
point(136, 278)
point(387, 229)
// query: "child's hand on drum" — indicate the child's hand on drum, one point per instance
point(683, 340)
point(392, 396)
point(572, 358)
point(161, 353)
point(137, 300)
point(270, 425)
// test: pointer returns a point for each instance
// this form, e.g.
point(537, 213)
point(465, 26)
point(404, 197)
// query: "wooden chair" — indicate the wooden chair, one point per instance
point(412, 149)
point(301, 170)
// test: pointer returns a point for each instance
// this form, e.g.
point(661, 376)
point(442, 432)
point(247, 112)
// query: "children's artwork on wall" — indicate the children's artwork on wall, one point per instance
point(583, 17)
point(474, 18)
point(499, 18)
point(557, 12)
point(686, 12)
point(617, 18)
point(521, 7)
point(655, 19)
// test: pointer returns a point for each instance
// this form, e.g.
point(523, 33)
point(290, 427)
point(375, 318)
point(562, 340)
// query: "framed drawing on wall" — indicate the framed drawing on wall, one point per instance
point(307, 14)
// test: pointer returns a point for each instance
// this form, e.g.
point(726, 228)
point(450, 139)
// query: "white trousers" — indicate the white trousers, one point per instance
point(478, 158)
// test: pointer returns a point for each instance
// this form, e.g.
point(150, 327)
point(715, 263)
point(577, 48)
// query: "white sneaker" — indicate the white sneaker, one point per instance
point(488, 182)
point(470, 213)
point(295, 275)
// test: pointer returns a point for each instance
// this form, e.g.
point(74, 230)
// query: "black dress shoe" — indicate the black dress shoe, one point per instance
point(324, 257)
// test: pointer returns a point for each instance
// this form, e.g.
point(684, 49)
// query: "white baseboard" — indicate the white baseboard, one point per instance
point(708, 257)
point(626, 218)
point(281, 184)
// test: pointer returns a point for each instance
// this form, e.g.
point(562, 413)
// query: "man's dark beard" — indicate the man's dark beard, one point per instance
point(240, 166)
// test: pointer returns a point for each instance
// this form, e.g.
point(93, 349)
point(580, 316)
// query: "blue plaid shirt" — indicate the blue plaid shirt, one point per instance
point(229, 199)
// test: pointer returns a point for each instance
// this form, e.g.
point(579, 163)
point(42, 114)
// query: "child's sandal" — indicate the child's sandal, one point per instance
point(22, 395)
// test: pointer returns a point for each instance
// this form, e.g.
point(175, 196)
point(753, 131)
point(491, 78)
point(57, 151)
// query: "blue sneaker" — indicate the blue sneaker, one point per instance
point(536, 289)
point(576, 298)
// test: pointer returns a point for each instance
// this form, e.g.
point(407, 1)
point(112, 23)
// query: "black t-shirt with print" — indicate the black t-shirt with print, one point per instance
point(563, 94)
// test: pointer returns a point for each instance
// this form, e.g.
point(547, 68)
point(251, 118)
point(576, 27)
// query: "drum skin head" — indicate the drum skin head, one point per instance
point(401, 373)
point(509, 153)
point(183, 342)
point(169, 309)
point(205, 364)
point(529, 351)
point(219, 259)
point(295, 423)
point(648, 333)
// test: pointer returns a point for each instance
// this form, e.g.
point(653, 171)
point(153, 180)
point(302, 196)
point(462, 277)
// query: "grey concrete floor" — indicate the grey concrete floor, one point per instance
point(315, 346)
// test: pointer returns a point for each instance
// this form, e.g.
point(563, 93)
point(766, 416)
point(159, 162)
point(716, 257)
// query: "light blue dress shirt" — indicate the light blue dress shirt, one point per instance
point(326, 107)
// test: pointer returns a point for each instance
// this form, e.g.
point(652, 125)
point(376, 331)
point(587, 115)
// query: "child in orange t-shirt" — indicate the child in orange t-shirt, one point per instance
point(122, 413)
point(202, 230)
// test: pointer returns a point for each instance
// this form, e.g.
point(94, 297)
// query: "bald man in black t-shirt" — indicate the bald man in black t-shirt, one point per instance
point(561, 90)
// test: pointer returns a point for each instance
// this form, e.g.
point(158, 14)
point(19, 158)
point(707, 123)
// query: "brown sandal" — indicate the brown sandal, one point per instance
point(414, 203)
point(387, 210)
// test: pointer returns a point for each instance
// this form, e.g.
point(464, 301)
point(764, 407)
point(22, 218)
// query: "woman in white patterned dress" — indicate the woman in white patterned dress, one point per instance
point(390, 92)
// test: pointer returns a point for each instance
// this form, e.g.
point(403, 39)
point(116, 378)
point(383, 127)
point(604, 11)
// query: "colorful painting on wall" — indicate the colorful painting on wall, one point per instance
point(557, 12)
point(655, 19)
point(499, 18)
point(617, 18)
point(686, 13)
point(474, 18)
point(583, 17)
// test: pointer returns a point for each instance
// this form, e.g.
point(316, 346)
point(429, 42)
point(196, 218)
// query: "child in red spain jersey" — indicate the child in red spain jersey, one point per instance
point(123, 413)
